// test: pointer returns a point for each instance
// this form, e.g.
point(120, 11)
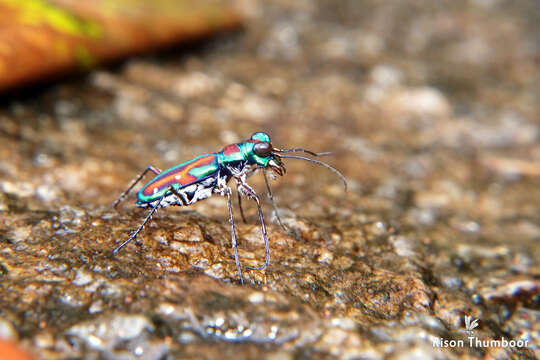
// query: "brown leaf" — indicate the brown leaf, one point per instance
point(40, 39)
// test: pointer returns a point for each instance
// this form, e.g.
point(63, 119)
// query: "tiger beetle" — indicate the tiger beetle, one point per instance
point(208, 174)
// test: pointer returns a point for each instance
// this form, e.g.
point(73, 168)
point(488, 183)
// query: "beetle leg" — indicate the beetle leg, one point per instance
point(233, 232)
point(248, 190)
point(224, 190)
point(148, 217)
point(139, 229)
point(139, 178)
point(240, 206)
point(180, 197)
point(271, 196)
point(245, 172)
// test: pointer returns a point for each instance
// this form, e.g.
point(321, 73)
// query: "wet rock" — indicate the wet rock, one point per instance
point(394, 294)
point(439, 222)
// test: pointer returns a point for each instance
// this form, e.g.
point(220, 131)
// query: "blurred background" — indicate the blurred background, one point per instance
point(429, 107)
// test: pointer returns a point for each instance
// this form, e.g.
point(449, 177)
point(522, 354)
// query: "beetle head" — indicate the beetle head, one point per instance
point(264, 154)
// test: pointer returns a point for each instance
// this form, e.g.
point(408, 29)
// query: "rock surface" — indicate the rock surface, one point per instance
point(430, 109)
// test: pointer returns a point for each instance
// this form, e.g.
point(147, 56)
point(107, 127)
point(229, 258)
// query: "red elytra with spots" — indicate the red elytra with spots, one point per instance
point(180, 175)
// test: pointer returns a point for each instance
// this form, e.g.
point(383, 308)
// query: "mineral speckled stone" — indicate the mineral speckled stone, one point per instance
point(430, 111)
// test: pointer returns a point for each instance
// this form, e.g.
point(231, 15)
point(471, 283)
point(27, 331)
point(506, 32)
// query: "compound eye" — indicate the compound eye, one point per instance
point(263, 149)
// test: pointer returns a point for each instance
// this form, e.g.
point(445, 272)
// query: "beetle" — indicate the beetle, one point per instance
point(208, 174)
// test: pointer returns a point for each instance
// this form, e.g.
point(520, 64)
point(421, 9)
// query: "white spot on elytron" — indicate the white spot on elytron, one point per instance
point(155, 190)
point(177, 177)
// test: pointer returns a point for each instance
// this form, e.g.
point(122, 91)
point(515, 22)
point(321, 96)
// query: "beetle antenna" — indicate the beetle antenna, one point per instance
point(335, 171)
point(303, 150)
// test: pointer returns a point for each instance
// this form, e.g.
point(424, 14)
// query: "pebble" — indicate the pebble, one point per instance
point(194, 84)
point(106, 332)
point(403, 246)
point(83, 277)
